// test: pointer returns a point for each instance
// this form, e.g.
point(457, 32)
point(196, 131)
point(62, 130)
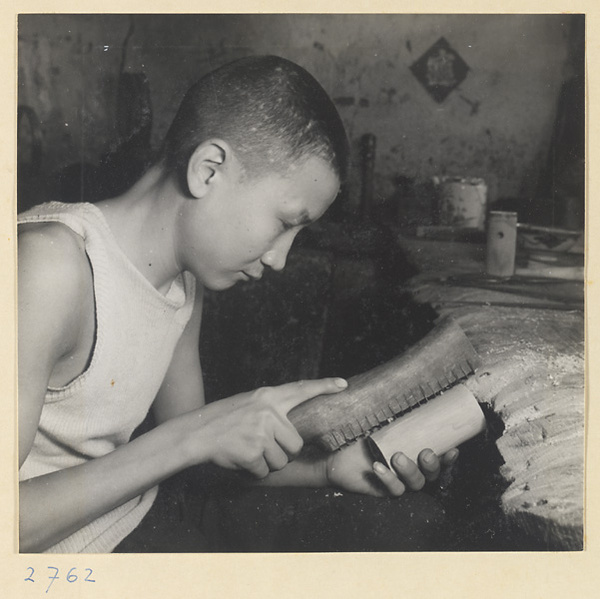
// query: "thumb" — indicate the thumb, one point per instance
point(300, 391)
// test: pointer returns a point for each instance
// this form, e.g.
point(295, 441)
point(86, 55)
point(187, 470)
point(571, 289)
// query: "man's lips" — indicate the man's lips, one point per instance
point(253, 276)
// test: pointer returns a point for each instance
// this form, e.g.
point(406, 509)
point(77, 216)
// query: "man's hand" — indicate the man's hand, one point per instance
point(251, 431)
point(353, 469)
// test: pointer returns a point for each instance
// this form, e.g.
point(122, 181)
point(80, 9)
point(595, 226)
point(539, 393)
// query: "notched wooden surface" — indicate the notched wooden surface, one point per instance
point(533, 377)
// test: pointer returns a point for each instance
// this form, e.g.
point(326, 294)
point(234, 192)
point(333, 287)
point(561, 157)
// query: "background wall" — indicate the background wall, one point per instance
point(498, 124)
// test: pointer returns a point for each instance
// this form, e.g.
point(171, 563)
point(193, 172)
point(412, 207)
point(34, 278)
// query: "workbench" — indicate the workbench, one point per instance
point(529, 334)
point(356, 297)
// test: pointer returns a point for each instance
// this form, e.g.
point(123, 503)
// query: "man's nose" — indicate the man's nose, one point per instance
point(276, 257)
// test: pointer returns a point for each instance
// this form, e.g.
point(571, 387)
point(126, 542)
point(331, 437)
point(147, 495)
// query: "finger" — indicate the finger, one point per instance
point(449, 457)
point(288, 439)
point(275, 457)
point(408, 472)
point(293, 394)
point(258, 467)
point(390, 481)
point(429, 464)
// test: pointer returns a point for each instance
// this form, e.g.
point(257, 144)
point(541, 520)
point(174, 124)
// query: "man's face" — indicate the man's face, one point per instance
point(246, 226)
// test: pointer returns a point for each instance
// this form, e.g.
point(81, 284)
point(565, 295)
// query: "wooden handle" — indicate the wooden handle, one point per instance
point(440, 424)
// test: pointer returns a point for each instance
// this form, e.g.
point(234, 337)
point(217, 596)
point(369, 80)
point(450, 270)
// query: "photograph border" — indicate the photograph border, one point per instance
point(548, 575)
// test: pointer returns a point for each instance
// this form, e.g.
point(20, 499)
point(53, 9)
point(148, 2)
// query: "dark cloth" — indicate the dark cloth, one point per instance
point(235, 519)
point(323, 520)
point(171, 525)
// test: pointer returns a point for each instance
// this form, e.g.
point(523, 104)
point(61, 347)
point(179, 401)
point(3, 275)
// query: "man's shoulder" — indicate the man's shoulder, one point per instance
point(55, 301)
point(50, 240)
point(51, 255)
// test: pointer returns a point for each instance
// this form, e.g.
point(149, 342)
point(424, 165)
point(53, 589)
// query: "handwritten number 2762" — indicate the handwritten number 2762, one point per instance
point(71, 576)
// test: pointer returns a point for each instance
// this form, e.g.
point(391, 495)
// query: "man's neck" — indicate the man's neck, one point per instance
point(143, 222)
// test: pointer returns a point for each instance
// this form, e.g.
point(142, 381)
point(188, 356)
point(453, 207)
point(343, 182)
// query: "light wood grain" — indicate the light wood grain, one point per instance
point(440, 424)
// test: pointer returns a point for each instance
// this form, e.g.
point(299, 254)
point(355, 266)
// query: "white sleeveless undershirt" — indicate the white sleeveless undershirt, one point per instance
point(137, 329)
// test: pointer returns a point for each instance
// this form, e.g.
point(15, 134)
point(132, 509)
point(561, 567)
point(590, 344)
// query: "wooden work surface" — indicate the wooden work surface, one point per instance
point(530, 337)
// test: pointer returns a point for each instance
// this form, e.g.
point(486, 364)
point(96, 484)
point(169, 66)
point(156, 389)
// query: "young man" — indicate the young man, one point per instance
point(110, 305)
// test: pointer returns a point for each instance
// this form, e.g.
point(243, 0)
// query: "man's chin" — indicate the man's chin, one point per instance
point(222, 284)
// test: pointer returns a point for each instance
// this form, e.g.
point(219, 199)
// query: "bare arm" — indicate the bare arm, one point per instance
point(353, 469)
point(182, 389)
point(51, 280)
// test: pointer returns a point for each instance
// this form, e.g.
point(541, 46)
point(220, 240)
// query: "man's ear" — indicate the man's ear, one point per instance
point(206, 162)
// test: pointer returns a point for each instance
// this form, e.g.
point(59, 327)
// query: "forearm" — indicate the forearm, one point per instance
point(55, 505)
point(237, 433)
point(308, 470)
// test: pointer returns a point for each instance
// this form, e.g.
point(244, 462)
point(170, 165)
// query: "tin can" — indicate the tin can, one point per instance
point(461, 202)
point(501, 247)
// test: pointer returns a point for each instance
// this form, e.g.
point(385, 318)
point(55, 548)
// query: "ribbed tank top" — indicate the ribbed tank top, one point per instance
point(137, 329)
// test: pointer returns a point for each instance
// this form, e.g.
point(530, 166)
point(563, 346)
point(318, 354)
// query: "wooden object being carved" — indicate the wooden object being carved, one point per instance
point(437, 362)
point(440, 425)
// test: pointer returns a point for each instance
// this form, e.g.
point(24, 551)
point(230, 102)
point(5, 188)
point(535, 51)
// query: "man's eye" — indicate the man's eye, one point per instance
point(286, 226)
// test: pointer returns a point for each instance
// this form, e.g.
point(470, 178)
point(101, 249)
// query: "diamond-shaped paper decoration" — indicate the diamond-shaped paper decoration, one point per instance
point(440, 70)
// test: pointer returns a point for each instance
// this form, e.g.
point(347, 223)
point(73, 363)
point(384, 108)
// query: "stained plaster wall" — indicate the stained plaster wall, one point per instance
point(497, 124)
